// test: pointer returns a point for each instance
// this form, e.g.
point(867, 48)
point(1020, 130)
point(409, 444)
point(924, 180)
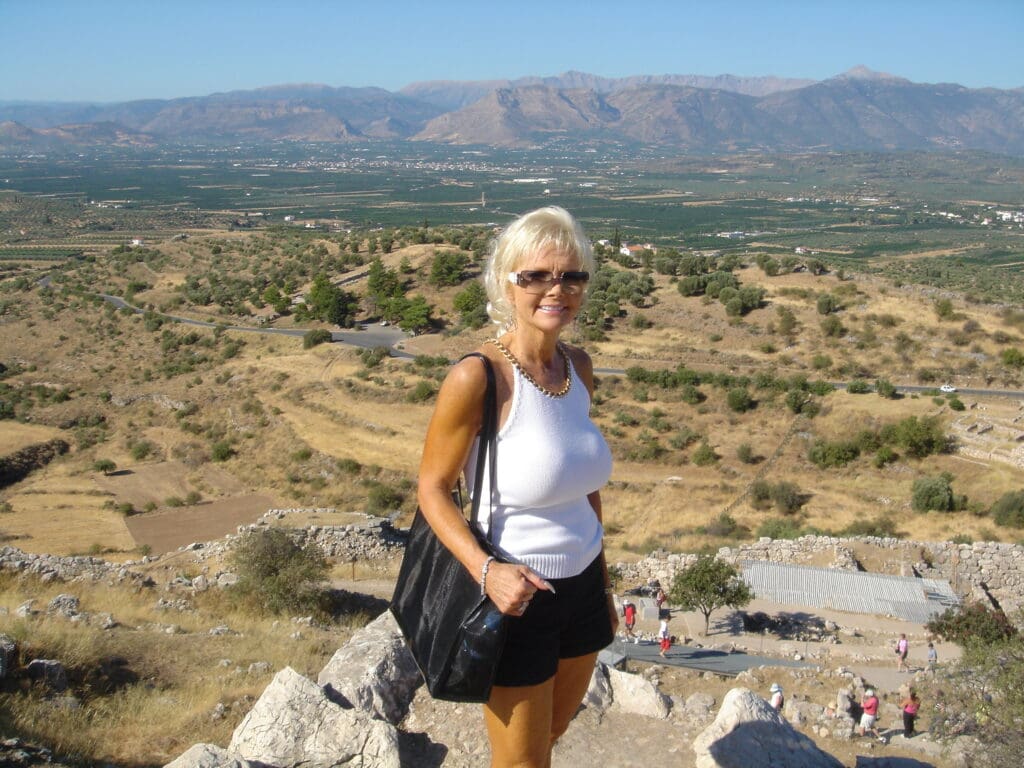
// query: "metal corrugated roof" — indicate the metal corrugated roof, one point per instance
point(901, 597)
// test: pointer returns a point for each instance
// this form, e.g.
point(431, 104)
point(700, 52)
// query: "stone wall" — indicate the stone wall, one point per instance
point(987, 571)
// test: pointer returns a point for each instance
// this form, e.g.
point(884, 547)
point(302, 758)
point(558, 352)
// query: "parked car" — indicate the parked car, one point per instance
point(947, 388)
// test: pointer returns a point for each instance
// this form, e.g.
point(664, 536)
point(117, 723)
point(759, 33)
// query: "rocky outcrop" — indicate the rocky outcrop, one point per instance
point(208, 756)
point(748, 733)
point(52, 568)
point(294, 723)
point(636, 695)
point(20, 464)
point(374, 672)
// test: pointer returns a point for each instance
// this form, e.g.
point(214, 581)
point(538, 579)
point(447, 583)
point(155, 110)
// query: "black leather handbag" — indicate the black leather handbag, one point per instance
point(455, 634)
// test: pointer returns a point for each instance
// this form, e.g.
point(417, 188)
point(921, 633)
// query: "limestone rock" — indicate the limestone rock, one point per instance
point(49, 672)
point(64, 605)
point(599, 693)
point(748, 733)
point(294, 723)
point(634, 694)
point(374, 671)
point(207, 756)
point(8, 655)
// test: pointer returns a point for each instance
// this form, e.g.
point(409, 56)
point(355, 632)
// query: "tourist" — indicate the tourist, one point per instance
point(869, 714)
point(629, 614)
point(664, 638)
point(544, 514)
point(910, 706)
point(933, 658)
point(902, 647)
point(777, 699)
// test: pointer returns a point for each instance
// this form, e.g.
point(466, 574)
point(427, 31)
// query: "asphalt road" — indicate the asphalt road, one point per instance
point(704, 659)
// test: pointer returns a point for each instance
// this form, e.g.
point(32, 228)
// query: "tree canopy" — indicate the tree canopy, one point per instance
point(709, 584)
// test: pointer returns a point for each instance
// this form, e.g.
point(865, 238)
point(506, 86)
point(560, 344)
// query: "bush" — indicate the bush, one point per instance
point(760, 493)
point(745, 453)
point(787, 497)
point(918, 437)
point(858, 387)
point(739, 400)
point(779, 528)
point(383, 499)
point(422, 392)
point(276, 574)
point(972, 624)
point(885, 388)
point(221, 451)
point(882, 527)
point(932, 493)
point(142, 449)
point(827, 455)
point(317, 336)
point(1009, 510)
point(722, 526)
point(704, 455)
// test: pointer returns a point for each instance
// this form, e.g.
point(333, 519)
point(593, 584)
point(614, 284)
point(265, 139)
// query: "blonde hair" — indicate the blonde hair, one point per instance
point(540, 230)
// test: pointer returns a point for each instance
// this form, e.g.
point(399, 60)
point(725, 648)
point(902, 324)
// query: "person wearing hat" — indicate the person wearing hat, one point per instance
point(777, 699)
point(869, 705)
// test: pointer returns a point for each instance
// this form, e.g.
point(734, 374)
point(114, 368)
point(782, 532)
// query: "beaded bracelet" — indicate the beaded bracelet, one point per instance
point(483, 576)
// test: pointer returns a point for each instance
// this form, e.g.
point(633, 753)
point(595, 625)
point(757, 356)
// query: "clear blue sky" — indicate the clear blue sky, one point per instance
point(115, 50)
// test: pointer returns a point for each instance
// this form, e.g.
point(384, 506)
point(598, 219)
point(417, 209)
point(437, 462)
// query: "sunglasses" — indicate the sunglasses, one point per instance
point(541, 281)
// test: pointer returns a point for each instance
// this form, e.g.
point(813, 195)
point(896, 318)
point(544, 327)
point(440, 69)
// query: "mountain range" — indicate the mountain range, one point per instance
point(857, 110)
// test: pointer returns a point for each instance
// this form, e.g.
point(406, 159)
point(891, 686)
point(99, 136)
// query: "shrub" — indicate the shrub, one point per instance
point(885, 388)
point(383, 499)
point(883, 527)
point(422, 392)
point(221, 451)
point(858, 387)
point(826, 454)
point(884, 455)
point(972, 624)
point(932, 493)
point(1009, 510)
point(276, 574)
point(739, 400)
point(779, 528)
point(745, 453)
point(142, 449)
point(821, 362)
point(315, 337)
point(760, 493)
point(918, 437)
point(724, 525)
point(704, 455)
point(787, 497)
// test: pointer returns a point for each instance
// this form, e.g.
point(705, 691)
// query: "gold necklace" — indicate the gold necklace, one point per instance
point(529, 377)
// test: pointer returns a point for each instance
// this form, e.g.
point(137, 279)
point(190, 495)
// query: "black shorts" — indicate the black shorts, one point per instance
point(572, 622)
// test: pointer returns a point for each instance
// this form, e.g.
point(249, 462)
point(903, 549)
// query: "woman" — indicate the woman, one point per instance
point(545, 515)
point(910, 706)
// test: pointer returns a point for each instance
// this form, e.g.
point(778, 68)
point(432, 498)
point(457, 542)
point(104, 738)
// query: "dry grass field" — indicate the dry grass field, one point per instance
point(318, 428)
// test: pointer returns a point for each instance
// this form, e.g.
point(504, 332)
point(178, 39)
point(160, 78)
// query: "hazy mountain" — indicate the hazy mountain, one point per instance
point(857, 110)
point(452, 94)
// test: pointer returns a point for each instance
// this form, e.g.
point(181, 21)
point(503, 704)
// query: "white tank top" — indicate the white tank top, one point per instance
point(550, 455)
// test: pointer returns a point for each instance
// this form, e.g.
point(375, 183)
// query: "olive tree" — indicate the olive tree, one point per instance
point(709, 584)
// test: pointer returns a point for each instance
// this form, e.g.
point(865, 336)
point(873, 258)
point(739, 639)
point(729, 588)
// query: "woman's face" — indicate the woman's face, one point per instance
point(555, 307)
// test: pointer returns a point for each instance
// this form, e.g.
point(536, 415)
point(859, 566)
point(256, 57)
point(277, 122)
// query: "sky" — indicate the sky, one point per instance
point(116, 50)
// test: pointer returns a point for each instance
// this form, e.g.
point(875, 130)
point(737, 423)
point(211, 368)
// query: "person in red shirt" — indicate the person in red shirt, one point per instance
point(629, 613)
point(910, 706)
point(869, 705)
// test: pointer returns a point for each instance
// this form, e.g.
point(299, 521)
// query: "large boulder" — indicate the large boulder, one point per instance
point(599, 693)
point(294, 723)
point(637, 695)
point(374, 671)
point(207, 756)
point(748, 733)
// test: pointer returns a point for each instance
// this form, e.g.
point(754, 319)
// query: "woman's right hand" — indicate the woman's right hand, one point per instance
point(512, 587)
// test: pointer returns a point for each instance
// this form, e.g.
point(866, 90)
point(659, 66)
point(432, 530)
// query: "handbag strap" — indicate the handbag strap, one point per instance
point(487, 447)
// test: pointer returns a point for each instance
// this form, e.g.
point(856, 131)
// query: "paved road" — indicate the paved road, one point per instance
point(704, 659)
point(372, 336)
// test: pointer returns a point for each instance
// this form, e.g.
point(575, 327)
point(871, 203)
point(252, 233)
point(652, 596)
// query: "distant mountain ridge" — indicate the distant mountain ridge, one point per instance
point(857, 110)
